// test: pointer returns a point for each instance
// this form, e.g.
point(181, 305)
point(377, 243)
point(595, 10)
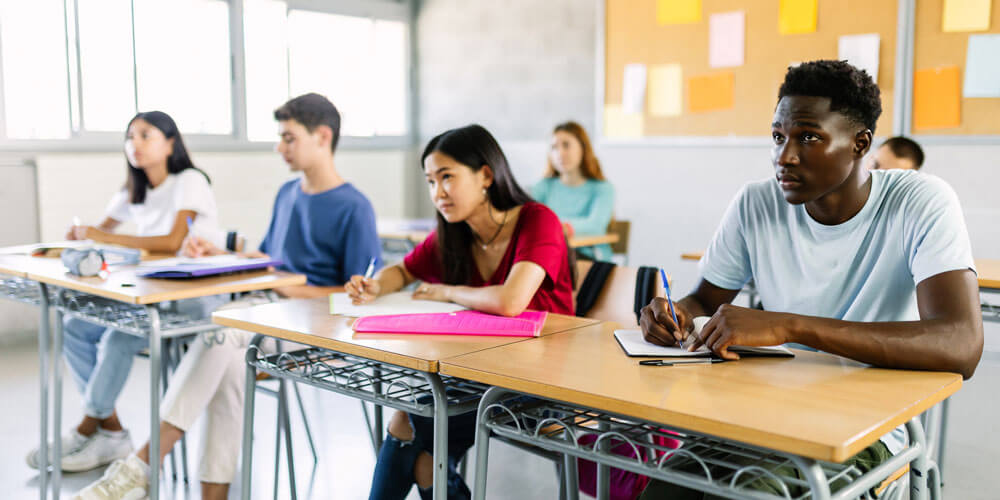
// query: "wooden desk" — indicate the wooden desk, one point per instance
point(989, 273)
point(816, 405)
point(585, 240)
point(692, 256)
point(309, 322)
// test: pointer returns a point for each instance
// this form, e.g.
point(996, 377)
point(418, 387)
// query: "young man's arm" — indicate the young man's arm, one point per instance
point(948, 336)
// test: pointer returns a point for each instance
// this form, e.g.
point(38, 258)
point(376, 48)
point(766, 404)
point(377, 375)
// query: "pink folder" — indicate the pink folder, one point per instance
point(527, 324)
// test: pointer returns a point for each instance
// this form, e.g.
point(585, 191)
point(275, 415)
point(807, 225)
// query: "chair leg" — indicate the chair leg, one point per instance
point(165, 361)
point(277, 445)
point(290, 458)
point(305, 423)
point(371, 430)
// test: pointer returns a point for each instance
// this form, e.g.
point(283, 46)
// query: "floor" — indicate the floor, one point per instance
point(346, 459)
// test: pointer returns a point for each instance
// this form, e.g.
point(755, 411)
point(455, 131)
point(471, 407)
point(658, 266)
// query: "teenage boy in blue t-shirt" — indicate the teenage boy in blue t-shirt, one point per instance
point(321, 227)
point(874, 266)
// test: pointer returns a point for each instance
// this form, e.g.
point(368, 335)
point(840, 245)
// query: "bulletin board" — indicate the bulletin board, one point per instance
point(935, 48)
point(632, 35)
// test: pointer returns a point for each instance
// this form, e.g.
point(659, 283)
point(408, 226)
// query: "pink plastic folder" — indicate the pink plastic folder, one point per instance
point(527, 324)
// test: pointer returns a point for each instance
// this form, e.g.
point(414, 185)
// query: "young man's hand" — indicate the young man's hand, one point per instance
point(733, 325)
point(658, 325)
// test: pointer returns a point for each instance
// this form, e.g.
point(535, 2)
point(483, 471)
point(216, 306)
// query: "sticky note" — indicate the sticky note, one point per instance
point(634, 88)
point(666, 90)
point(726, 35)
point(936, 99)
point(710, 92)
point(982, 67)
point(966, 15)
point(797, 16)
point(861, 51)
point(621, 125)
point(678, 11)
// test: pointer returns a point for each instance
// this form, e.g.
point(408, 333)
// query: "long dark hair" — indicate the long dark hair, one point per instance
point(136, 181)
point(474, 147)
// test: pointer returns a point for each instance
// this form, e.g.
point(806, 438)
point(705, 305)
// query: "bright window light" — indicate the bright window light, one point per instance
point(265, 32)
point(107, 79)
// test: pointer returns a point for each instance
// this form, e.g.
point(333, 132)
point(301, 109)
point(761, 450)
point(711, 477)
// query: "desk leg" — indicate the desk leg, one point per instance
point(377, 428)
point(603, 471)
point(491, 396)
point(440, 436)
point(942, 439)
point(920, 467)
point(43, 379)
point(813, 473)
point(57, 347)
point(249, 391)
point(154, 402)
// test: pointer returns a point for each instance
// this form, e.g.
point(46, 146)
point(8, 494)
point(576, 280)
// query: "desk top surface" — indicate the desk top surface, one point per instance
point(309, 322)
point(816, 405)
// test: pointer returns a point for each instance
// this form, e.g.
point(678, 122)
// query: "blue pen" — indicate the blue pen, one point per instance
point(666, 287)
point(371, 268)
point(189, 224)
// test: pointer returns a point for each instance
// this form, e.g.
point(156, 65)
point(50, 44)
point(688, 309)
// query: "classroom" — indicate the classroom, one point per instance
point(517, 249)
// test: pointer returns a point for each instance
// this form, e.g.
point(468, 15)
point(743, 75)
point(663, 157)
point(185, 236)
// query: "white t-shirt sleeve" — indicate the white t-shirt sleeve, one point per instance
point(937, 240)
point(726, 263)
point(117, 207)
point(193, 193)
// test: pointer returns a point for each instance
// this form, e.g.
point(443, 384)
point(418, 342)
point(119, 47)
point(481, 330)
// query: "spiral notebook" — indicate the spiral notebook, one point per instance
point(527, 324)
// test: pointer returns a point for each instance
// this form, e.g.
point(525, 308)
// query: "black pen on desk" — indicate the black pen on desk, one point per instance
point(664, 362)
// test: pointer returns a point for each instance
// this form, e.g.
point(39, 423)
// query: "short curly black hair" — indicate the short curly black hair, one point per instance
point(851, 90)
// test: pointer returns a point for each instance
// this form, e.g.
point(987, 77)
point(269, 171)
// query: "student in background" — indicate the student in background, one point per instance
point(575, 189)
point(897, 152)
point(875, 266)
point(321, 226)
point(163, 190)
point(495, 251)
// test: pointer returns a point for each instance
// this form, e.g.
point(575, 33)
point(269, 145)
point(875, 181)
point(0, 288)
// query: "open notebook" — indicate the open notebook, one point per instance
point(390, 303)
point(634, 345)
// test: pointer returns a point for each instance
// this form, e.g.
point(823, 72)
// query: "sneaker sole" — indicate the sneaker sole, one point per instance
point(89, 466)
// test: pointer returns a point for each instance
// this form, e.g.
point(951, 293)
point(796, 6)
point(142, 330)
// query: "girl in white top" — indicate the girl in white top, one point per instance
point(162, 192)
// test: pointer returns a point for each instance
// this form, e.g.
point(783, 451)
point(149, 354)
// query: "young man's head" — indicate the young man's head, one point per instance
point(822, 128)
point(309, 126)
point(897, 152)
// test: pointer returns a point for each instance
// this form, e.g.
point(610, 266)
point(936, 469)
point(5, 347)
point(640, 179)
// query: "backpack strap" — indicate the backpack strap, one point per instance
point(645, 289)
point(592, 285)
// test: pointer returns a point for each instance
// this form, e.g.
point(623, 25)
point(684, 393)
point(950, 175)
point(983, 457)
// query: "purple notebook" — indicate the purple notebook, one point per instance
point(198, 270)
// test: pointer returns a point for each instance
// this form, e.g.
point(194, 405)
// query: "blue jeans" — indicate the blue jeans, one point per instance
point(394, 469)
point(100, 358)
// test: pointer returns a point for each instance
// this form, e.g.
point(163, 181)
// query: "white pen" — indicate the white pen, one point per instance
point(371, 268)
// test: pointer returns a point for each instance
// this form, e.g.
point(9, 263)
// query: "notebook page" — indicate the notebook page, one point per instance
point(389, 304)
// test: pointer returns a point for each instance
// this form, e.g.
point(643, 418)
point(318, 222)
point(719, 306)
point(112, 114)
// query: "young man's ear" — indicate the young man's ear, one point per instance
point(862, 142)
point(325, 134)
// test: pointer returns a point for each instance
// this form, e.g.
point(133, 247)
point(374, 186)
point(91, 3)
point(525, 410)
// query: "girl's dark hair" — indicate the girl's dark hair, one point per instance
point(137, 182)
point(474, 147)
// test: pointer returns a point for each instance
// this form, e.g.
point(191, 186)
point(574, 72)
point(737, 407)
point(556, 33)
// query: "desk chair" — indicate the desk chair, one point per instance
point(622, 228)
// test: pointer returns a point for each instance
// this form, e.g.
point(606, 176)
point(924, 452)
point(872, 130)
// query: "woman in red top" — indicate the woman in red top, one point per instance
point(495, 250)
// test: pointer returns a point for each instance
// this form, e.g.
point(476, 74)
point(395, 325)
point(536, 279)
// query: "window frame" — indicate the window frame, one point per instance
point(82, 140)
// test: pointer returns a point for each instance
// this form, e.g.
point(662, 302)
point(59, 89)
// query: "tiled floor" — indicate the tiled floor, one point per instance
point(346, 458)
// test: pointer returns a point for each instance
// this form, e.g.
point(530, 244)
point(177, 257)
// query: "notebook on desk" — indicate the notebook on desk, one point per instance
point(635, 345)
point(389, 304)
point(527, 324)
point(183, 267)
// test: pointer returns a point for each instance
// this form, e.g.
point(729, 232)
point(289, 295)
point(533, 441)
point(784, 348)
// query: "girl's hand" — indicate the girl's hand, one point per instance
point(362, 290)
point(427, 291)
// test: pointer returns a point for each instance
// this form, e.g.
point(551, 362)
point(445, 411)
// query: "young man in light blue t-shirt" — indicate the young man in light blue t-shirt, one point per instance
point(874, 266)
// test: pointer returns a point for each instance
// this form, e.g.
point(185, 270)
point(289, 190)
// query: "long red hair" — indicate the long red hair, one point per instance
point(589, 166)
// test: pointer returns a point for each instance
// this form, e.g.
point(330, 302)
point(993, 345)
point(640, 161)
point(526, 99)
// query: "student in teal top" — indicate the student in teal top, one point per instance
point(575, 189)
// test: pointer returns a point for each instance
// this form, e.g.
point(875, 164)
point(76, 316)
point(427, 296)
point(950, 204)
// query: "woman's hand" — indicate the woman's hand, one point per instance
point(195, 246)
point(362, 290)
point(427, 291)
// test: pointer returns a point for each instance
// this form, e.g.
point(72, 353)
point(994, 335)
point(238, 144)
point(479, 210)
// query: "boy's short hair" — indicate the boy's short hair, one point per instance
point(851, 91)
point(903, 147)
point(312, 110)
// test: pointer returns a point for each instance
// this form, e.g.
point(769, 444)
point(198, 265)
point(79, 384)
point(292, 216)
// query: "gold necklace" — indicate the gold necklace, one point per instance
point(485, 245)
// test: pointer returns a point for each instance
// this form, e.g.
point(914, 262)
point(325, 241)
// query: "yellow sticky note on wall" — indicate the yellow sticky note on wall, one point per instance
point(666, 90)
point(797, 16)
point(678, 11)
point(966, 15)
point(621, 125)
point(710, 92)
point(937, 98)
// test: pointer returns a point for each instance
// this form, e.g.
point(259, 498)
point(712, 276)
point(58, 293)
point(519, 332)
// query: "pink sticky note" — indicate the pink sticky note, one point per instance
point(727, 32)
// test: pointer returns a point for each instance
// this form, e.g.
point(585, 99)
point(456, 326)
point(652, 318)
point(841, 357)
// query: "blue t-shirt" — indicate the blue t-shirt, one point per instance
point(586, 207)
point(327, 236)
point(865, 269)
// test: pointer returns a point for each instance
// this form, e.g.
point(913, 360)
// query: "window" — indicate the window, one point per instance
point(107, 79)
point(35, 83)
point(359, 63)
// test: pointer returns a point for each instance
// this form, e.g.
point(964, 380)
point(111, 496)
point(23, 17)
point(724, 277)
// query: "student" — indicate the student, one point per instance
point(163, 189)
point(575, 189)
point(897, 152)
point(495, 251)
point(874, 266)
point(322, 227)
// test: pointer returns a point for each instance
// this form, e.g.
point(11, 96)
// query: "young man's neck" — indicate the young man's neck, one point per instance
point(321, 177)
point(841, 205)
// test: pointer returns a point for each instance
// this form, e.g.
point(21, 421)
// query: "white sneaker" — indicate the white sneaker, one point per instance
point(102, 448)
point(71, 443)
point(126, 479)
